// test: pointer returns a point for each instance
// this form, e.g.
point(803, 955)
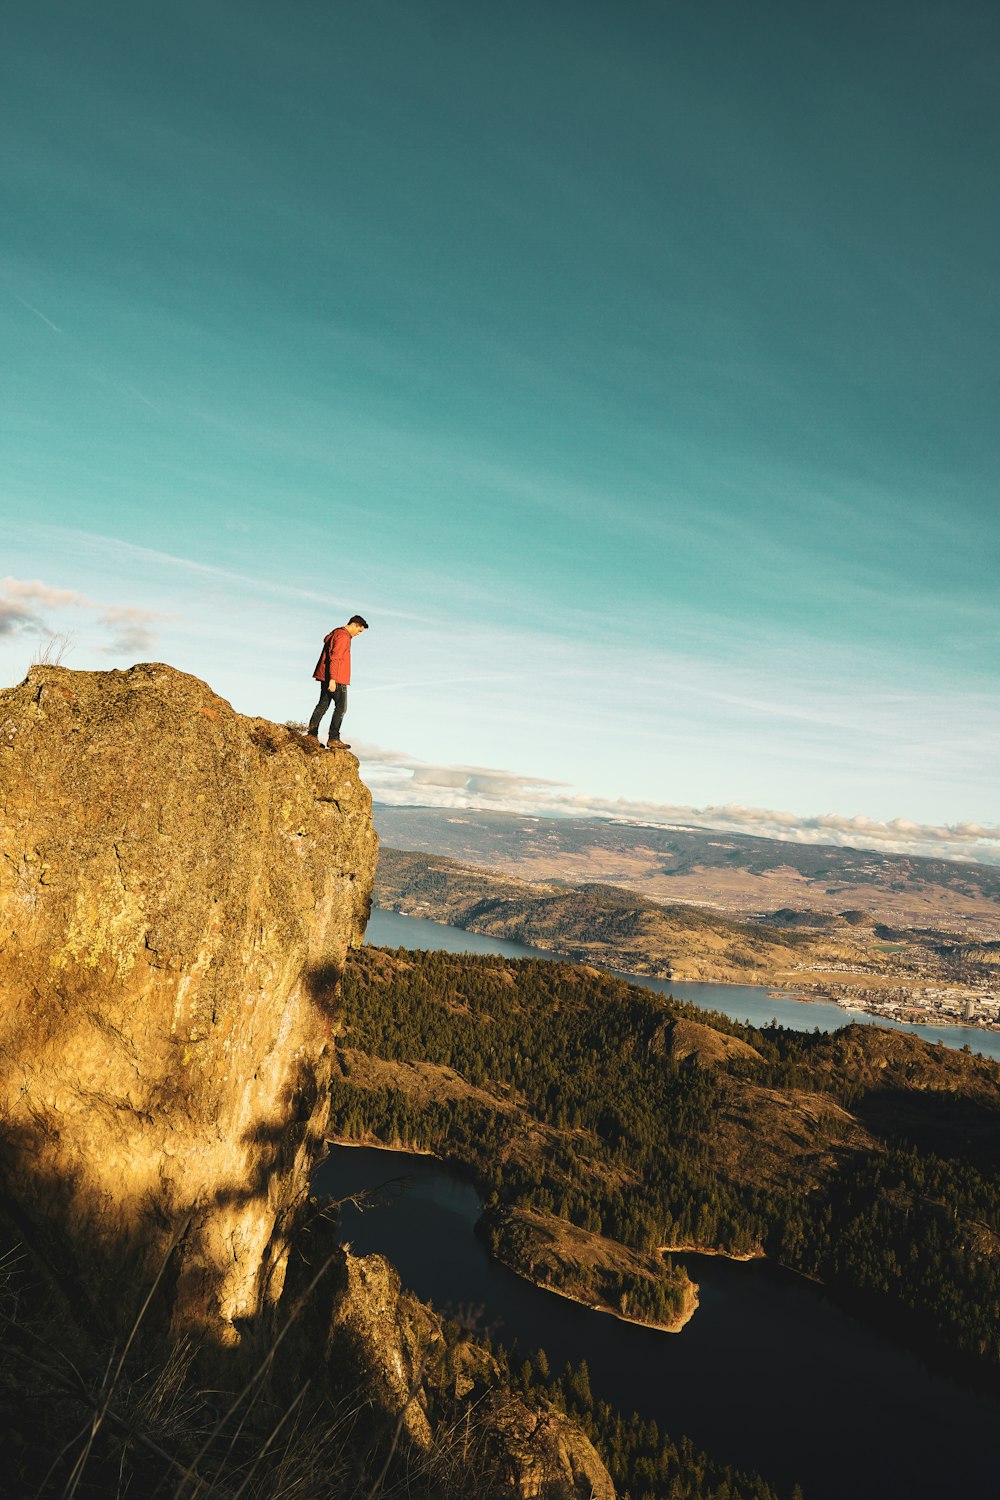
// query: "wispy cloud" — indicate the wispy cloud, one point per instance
point(130, 553)
point(42, 593)
point(400, 780)
point(14, 617)
point(410, 682)
point(130, 627)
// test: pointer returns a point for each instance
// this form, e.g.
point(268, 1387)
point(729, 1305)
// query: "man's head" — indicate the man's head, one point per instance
point(356, 624)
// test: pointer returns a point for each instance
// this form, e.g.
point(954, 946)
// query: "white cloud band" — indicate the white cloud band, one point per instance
point(400, 780)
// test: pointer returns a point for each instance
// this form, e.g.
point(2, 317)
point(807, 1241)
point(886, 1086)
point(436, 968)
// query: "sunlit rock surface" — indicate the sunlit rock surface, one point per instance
point(535, 1451)
point(179, 886)
point(550, 1455)
point(390, 1337)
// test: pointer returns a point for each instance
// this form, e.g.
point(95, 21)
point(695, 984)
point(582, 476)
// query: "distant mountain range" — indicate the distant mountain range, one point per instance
point(737, 874)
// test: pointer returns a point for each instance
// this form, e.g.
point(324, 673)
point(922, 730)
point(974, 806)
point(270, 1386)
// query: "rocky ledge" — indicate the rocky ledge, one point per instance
point(179, 885)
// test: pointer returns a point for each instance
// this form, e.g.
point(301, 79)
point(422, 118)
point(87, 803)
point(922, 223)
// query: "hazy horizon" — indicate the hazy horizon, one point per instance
point(520, 798)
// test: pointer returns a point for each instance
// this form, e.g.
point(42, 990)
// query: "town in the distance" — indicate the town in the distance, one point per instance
point(900, 937)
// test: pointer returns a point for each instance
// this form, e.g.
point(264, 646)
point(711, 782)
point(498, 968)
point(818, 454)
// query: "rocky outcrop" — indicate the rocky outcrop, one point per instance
point(693, 1042)
point(523, 1447)
point(548, 1455)
point(179, 886)
point(389, 1338)
point(589, 1268)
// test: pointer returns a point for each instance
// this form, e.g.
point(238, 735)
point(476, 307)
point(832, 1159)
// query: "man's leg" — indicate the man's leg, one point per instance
point(339, 710)
point(324, 703)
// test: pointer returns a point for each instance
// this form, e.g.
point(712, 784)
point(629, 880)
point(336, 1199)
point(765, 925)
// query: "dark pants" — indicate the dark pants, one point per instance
point(339, 700)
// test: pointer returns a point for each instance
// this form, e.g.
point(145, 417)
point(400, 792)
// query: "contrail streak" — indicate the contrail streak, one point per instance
point(47, 321)
point(131, 390)
point(115, 547)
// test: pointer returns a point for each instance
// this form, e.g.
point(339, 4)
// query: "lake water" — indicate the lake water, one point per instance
point(390, 929)
point(770, 1374)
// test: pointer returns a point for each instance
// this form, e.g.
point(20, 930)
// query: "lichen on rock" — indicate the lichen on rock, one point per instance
point(179, 885)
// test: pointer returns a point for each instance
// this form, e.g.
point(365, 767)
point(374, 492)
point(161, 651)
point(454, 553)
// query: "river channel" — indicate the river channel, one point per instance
point(741, 1002)
point(769, 1374)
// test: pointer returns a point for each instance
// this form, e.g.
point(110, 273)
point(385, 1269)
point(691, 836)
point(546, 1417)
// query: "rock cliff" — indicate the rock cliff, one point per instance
point(179, 886)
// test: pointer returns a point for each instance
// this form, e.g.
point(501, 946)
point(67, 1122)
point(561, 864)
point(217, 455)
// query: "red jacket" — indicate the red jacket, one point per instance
point(335, 659)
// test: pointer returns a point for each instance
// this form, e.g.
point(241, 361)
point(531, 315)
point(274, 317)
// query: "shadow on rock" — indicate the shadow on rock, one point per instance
point(345, 1388)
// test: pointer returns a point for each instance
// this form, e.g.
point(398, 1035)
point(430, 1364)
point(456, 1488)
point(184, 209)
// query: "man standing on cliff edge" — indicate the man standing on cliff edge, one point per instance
point(333, 672)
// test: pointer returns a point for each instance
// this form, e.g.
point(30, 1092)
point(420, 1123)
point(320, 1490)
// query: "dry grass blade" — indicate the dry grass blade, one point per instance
point(253, 1384)
point(52, 652)
point(397, 1433)
point(108, 1387)
point(77, 1388)
point(272, 1435)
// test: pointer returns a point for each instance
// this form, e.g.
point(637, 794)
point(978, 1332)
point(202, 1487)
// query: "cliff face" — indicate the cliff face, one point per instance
point(179, 886)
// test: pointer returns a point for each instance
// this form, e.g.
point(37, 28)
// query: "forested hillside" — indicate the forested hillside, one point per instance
point(594, 923)
point(865, 1158)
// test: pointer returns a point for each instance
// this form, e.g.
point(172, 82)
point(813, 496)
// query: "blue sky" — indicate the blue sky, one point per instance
point(632, 368)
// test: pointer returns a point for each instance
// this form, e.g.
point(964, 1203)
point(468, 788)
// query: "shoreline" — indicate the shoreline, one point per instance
point(774, 988)
point(674, 1326)
point(742, 1257)
point(376, 1145)
point(620, 971)
point(678, 1323)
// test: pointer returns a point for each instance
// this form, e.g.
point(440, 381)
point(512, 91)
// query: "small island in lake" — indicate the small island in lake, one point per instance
point(591, 1269)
